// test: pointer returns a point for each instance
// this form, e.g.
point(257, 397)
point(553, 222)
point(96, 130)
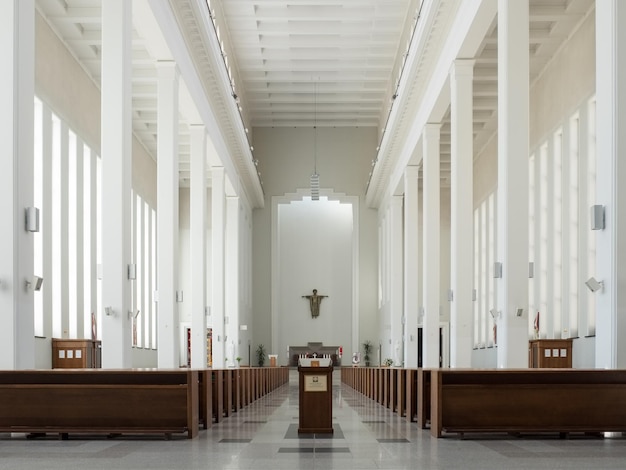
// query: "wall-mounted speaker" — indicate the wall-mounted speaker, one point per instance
point(32, 219)
point(597, 217)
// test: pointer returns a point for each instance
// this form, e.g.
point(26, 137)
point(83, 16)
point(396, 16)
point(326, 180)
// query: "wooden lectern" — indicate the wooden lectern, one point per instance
point(316, 398)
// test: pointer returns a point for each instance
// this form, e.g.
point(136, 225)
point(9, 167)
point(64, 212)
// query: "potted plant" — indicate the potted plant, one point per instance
point(367, 350)
point(238, 359)
point(388, 362)
point(260, 355)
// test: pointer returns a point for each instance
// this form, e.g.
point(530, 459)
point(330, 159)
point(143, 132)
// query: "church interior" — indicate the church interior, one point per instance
point(210, 198)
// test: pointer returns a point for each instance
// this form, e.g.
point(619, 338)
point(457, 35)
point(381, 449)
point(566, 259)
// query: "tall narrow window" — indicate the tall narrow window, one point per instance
point(99, 238)
point(591, 196)
point(573, 226)
point(87, 259)
point(154, 316)
point(147, 305)
point(557, 240)
point(72, 258)
point(491, 292)
point(57, 285)
point(543, 235)
point(477, 301)
point(484, 273)
point(139, 263)
point(532, 306)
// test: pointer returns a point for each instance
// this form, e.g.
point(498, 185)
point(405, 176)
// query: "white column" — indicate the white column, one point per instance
point(218, 202)
point(198, 196)
point(411, 265)
point(116, 181)
point(17, 52)
point(232, 276)
point(46, 222)
point(611, 148)
point(61, 235)
point(80, 257)
point(512, 223)
point(167, 216)
point(462, 213)
point(396, 309)
point(432, 258)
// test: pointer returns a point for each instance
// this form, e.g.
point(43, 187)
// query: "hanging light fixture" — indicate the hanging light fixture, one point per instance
point(315, 178)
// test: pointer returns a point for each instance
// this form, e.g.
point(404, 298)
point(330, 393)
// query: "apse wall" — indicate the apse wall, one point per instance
point(286, 159)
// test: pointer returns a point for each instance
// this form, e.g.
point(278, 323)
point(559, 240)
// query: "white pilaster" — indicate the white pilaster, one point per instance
point(116, 181)
point(46, 221)
point(218, 220)
point(462, 213)
point(512, 223)
point(611, 148)
point(198, 196)
point(396, 309)
point(411, 265)
point(167, 219)
point(61, 236)
point(79, 275)
point(17, 52)
point(432, 258)
point(232, 276)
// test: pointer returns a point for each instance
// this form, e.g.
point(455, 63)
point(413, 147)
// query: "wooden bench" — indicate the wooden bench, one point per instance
point(527, 401)
point(99, 401)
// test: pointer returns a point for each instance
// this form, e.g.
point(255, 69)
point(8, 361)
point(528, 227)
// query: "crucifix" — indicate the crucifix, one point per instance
point(314, 302)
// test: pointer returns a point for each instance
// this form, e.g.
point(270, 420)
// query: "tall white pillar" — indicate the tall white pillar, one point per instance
point(198, 237)
point(232, 276)
point(611, 148)
point(61, 234)
point(432, 257)
point(218, 220)
point(167, 216)
point(512, 223)
point(396, 308)
point(411, 265)
point(116, 181)
point(17, 52)
point(462, 213)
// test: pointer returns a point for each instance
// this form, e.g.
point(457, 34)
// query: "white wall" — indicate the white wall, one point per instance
point(286, 157)
point(315, 252)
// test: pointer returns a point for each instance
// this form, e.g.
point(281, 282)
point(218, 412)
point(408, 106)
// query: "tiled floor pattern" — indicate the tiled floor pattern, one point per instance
point(264, 436)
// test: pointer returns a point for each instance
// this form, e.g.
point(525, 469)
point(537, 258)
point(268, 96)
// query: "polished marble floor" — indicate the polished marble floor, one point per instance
point(264, 436)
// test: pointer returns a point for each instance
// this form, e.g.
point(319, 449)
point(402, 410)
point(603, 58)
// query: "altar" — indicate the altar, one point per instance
point(314, 349)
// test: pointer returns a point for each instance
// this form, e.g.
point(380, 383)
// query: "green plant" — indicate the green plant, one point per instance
point(260, 355)
point(388, 362)
point(367, 350)
point(238, 359)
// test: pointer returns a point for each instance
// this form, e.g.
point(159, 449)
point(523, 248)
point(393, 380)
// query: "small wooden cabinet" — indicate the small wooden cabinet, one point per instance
point(76, 353)
point(550, 353)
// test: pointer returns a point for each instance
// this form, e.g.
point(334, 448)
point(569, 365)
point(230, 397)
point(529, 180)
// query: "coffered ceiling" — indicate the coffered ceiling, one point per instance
point(306, 62)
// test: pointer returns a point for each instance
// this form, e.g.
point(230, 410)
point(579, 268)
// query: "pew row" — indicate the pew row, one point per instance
point(99, 401)
point(392, 387)
point(527, 401)
point(130, 401)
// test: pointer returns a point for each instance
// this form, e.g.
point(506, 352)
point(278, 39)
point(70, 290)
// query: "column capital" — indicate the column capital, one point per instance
point(462, 67)
point(411, 172)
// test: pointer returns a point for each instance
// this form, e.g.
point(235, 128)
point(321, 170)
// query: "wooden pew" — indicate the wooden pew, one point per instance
point(99, 401)
point(423, 397)
point(528, 400)
point(411, 394)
